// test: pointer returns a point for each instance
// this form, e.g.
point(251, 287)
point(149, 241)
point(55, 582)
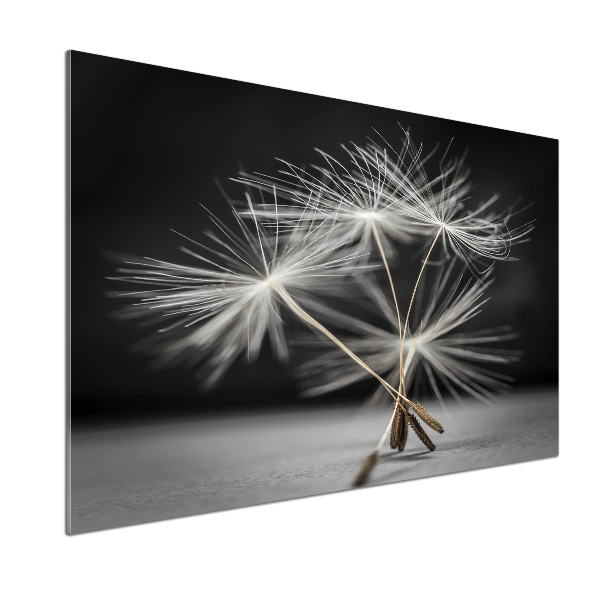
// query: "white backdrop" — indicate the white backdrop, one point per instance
point(509, 532)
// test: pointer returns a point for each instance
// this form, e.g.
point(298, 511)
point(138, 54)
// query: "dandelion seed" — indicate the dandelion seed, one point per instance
point(366, 469)
point(436, 207)
point(231, 299)
point(421, 433)
point(449, 360)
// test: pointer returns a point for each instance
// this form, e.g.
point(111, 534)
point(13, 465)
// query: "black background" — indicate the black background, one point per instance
point(147, 144)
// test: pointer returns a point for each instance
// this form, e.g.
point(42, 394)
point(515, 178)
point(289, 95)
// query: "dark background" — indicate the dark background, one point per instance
point(147, 144)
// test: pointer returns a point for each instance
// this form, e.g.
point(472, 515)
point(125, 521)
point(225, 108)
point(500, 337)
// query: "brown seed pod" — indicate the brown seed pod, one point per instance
point(427, 418)
point(396, 424)
point(366, 469)
point(403, 433)
point(416, 426)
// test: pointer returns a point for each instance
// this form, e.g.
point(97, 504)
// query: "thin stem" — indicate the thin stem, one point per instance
point(437, 235)
point(387, 269)
point(395, 394)
point(296, 308)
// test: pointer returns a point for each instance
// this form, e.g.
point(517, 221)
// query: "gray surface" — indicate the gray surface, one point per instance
point(126, 476)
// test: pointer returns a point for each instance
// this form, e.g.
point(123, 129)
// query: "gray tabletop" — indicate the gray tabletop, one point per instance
point(137, 474)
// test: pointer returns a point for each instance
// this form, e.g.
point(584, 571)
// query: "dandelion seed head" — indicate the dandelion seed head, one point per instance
point(368, 215)
point(435, 349)
point(228, 300)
